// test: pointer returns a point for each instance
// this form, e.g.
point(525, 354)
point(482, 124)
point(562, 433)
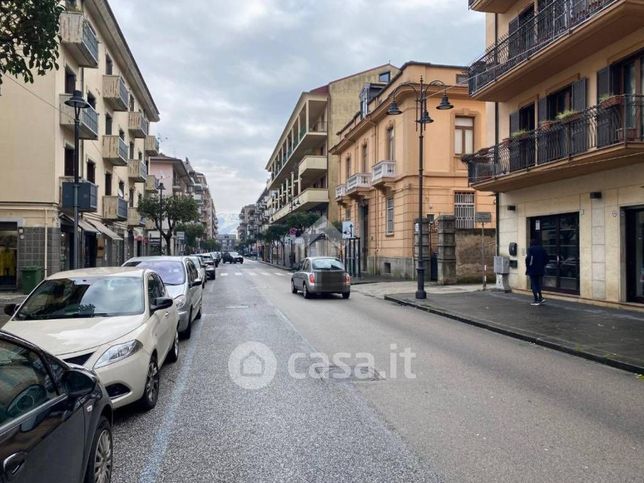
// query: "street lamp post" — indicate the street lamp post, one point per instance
point(77, 103)
point(422, 119)
point(161, 188)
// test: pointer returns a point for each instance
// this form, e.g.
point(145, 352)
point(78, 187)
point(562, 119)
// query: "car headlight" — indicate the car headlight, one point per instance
point(118, 353)
point(180, 301)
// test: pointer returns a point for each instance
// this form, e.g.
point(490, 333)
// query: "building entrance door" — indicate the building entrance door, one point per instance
point(559, 235)
point(635, 255)
point(8, 255)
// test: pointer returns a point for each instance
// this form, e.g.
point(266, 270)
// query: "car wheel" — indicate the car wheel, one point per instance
point(188, 330)
point(173, 355)
point(293, 289)
point(346, 295)
point(100, 462)
point(305, 291)
point(151, 391)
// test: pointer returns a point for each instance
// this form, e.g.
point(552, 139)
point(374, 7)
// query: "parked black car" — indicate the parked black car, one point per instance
point(55, 418)
point(232, 257)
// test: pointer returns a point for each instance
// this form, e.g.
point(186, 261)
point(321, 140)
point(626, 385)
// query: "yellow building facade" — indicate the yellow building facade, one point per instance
point(378, 157)
point(564, 81)
point(37, 150)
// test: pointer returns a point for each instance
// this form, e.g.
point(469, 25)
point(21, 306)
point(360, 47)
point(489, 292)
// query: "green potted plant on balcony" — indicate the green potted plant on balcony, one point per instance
point(568, 115)
point(610, 100)
point(520, 134)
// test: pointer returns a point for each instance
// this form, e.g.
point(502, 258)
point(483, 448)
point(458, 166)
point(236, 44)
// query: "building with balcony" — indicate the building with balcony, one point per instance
point(37, 150)
point(377, 162)
point(566, 79)
point(303, 174)
point(248, 227)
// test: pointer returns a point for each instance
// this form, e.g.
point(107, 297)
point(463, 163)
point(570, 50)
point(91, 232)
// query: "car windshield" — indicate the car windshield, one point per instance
point(327, 264)
point(234, 254)
point(171, 271)
point(67, 298)
point(205, 258)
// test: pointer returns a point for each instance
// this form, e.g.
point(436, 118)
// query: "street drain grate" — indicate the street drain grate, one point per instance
point(349, 373)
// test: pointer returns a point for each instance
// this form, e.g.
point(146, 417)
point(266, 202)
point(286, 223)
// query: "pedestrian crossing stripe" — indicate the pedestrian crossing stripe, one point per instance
point(278, 274)
point(238, 274)
point(224, 274)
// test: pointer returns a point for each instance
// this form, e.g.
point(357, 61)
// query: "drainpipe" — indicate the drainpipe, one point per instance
point(46, 244)
point(496, 141)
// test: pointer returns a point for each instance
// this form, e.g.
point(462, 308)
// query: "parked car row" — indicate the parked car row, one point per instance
point(83, 343)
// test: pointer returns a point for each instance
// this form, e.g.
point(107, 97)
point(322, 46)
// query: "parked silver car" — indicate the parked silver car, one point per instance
point(181, 278)
point(318, 275)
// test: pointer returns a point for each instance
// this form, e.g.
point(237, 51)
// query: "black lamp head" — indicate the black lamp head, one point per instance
point(394, 110)
point(445, 104)
point(426, 118)
point(161, 187)
point(77, 101)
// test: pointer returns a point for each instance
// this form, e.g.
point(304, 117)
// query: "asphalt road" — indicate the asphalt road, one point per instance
point(476, 406)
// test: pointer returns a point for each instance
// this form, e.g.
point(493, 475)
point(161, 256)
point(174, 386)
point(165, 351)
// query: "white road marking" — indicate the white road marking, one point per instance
point(238, 274)
point(224, 274)
point(252, 274)
point(278, 274)
point(265, 273)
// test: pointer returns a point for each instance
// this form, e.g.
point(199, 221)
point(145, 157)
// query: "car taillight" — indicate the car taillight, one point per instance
point(347, 279)
point(311, 278)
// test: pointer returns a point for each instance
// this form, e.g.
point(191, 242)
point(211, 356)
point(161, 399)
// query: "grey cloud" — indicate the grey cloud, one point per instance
point(226, 74)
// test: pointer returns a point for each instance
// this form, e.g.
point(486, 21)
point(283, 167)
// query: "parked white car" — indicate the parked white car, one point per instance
point(120, 322)
point(201, 268)
point(181, 278)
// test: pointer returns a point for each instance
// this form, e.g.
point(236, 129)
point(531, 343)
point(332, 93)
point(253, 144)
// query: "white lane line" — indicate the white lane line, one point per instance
point(223, 274)
point(252, 274)
point(278, 274)
point(238, 274)
point(265, 273)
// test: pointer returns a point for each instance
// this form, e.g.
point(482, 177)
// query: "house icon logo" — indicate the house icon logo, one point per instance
point(252, 365)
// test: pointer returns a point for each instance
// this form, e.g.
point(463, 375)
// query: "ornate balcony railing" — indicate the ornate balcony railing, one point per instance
point(340, 191)
point(383, 170)
point(551, 23)
point(616, 120)
point(357, 181)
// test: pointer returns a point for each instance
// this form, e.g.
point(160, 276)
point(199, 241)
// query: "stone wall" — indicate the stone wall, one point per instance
point(468, 254)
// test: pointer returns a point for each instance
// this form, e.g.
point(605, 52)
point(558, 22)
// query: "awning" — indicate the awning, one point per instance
point(105, 230)
point(86, 226)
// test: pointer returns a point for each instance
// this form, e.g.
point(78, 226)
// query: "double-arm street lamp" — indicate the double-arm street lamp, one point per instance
point(78, 104)
point(423, 118)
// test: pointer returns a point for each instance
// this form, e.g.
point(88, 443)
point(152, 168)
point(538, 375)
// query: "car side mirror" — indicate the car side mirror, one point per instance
point(161, 303)
point(78, 383)
point(10, 309)
point(197, 282)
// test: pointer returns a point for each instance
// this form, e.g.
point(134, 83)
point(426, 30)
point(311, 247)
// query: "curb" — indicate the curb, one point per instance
point(525, 336)
point(275, 266)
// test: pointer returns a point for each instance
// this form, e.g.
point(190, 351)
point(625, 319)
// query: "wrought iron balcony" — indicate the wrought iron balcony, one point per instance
point(558, 19)
point(604, 136)
point(79, 37)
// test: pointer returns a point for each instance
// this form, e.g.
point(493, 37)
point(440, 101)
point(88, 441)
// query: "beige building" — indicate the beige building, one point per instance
point(567, 158)
point(377, 162)
point(303, 173)
point(37, 151)
point(207, 212)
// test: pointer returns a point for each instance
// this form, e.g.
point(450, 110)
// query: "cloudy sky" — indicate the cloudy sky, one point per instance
point(226, 74)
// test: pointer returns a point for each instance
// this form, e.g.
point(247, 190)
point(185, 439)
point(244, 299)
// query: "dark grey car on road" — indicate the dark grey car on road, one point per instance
point(321, 275)
point(55, 418)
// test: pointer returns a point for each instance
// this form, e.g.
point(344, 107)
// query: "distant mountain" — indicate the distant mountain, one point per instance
point(228, 223)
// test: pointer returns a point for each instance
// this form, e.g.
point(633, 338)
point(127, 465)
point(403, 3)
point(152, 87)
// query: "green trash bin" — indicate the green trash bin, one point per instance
point(31, 276)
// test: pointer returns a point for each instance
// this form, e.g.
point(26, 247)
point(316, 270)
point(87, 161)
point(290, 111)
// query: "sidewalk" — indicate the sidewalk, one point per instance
point(609, 336)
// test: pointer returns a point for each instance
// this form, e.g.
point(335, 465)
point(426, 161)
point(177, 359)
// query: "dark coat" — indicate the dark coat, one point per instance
point(536, 261)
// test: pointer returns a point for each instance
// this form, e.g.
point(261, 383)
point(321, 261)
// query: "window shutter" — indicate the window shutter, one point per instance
point(514, 122)
point(542, 109)
point(579, 95)
point(603, 83)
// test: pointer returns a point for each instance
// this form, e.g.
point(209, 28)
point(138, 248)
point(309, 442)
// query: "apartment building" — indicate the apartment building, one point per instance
point(566, 79)
point(207, 212)
point(228, 242)
point(303, 173)
point(377, 161)
point(37, 151)
point(248, 223)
